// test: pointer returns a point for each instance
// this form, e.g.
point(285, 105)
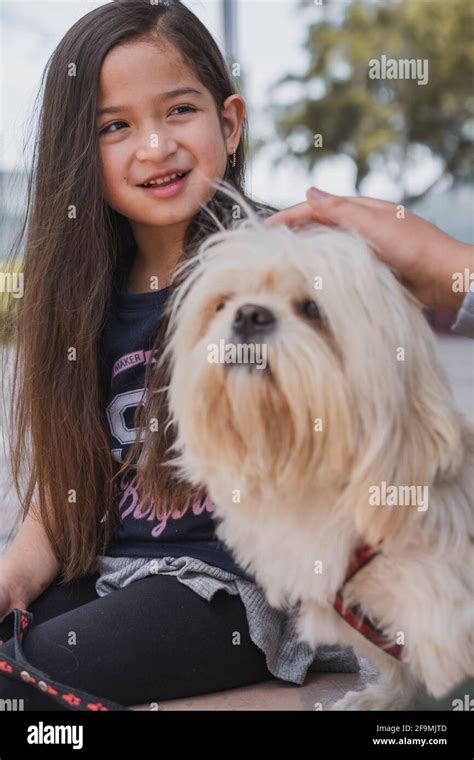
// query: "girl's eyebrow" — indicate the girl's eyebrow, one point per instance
point(165, 96)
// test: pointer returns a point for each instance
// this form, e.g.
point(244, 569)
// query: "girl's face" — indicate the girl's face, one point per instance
point(150, 132)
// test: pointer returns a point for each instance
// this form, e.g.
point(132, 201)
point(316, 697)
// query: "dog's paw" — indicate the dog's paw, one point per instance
point(374, 697)
point(355, 700)
point(370, 698)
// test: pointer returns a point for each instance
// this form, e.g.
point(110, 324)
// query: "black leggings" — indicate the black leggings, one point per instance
point(153, 640)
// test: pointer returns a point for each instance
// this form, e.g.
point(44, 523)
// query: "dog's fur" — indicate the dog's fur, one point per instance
point(288, 496)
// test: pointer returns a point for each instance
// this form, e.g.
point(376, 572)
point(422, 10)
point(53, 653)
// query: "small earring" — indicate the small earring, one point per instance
point(233, 160)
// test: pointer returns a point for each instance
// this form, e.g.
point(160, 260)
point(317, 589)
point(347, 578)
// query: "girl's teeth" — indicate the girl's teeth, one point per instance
point(164, 180)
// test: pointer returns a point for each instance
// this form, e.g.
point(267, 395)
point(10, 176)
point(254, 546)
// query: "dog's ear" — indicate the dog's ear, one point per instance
point(416, 441)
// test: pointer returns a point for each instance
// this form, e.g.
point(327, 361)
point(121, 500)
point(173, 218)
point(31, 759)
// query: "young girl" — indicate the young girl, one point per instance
point(132, 601)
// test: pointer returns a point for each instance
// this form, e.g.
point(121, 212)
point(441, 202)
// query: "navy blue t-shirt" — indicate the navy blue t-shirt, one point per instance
point(125, 349)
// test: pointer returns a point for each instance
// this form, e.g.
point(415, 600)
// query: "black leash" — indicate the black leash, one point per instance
point(22, 670)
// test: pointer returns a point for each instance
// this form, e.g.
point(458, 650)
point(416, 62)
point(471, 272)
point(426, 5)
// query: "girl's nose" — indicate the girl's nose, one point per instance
point(155, 146)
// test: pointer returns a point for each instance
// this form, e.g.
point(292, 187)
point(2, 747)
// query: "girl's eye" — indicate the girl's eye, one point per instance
point(106, 129)
point(188, 108)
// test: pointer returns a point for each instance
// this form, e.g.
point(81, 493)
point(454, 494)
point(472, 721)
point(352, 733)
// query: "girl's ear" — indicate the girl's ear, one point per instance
point(417, 444)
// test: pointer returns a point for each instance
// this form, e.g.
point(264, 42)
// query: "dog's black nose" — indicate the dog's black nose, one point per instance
point(251, 319)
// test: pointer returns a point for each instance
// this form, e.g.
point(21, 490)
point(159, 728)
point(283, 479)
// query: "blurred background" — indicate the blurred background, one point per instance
point(302, 66)
point(316, 117)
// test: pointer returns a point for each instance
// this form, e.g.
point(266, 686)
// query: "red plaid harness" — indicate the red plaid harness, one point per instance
point(354, 615)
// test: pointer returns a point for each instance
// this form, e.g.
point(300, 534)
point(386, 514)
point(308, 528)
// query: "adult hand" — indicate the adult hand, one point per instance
point(424, 257)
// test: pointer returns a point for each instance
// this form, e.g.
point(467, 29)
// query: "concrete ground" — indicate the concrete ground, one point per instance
point(319, 692)
point(457, 356)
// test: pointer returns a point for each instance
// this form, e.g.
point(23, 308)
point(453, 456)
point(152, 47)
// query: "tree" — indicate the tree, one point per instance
point(386, 121)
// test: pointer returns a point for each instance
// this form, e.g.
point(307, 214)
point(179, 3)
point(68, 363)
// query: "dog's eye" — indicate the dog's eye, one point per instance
point(224, 297)
point(310, 310)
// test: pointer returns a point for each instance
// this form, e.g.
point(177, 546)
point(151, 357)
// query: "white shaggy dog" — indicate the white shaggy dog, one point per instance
point(330, 441)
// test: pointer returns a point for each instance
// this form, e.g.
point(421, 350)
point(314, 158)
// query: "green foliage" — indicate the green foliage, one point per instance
point(385, 120)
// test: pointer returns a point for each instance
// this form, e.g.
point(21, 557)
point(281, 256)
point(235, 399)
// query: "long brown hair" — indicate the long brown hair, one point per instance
point(73, 245)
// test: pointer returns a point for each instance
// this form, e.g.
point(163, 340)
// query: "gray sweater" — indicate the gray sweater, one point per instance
point(464, 324)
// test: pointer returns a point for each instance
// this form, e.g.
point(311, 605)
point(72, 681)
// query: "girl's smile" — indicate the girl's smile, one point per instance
point(171, 186)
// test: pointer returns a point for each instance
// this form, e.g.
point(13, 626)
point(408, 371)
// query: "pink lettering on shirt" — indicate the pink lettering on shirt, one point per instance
point(141, 511)
point(131, 360)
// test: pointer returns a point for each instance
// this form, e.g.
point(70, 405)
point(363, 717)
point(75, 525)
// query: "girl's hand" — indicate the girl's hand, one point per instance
point(10, 596)
point(423, 256)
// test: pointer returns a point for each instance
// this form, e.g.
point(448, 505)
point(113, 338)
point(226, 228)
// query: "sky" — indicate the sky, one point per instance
point(271, 34)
